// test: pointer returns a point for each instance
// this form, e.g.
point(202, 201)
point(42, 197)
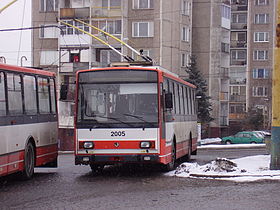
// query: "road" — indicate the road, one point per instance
point(74, 187)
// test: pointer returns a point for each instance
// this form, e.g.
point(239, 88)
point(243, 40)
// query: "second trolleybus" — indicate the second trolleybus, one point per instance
point(133, 115)
point(28, 120)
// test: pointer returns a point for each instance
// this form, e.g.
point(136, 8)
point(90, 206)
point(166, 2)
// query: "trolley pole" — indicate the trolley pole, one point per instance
point(275, 130)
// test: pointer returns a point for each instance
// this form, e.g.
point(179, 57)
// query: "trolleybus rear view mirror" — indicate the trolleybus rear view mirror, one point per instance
point(168, 101)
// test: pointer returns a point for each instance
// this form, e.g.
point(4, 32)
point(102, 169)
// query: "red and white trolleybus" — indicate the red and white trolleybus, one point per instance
point(133, 115)
point(28, 120)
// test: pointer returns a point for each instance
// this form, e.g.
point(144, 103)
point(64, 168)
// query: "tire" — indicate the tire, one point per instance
point(29, 161)
point(228, 142)
point(253, 142)
point(171, 166)
point(96, 169)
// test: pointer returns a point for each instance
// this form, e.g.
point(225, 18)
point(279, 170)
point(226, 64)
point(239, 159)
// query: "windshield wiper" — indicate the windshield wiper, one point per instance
point(139, 118)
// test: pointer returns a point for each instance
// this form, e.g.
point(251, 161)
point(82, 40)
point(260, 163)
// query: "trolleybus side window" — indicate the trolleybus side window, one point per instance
point(187, 100)
point(14, 94)
point(190, 100)
point(174, 98)
point(43, 94)
point(2, 95)
point(182, 100)
point(30, 96)
point(179, 99)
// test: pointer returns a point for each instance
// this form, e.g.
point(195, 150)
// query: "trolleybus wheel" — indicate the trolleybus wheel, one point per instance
point(29, 161)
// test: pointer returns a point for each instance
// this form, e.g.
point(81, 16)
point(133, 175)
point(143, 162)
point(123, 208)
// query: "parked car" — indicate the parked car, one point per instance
point(244, 137)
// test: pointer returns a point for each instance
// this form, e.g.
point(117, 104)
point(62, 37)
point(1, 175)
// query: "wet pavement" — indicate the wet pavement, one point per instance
point(121, 187)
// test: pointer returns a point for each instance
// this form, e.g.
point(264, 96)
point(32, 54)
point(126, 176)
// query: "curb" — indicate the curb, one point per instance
point(232, 176)
point(238, 146)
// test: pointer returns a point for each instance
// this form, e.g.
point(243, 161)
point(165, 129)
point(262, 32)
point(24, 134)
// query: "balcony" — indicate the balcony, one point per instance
point(239, 26)
point(237, 116)
point(99, 11)
point(238, 98)
point(238, 44)
point(238, 62)
point(70, 13)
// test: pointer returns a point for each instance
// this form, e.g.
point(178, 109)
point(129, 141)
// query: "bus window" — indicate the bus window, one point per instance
point(30, 99)
point(43, 94)
point(182, 100)
point(190, 101)
point(179, 99)
point(2, 95)
point(53, 95)
point(14, 94)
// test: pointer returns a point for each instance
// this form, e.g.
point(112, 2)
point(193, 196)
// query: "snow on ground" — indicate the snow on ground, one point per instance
point(245, 169)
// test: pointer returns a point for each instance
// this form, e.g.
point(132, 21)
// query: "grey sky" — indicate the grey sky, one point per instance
point(13, 42)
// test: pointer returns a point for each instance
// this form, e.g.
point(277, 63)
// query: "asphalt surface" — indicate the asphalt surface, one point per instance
point(121, 187)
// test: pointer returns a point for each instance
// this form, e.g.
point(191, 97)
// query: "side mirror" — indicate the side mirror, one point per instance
point(168, 101)
point(63, 92)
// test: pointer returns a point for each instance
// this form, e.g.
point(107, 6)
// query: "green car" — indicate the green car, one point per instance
point(244, 137)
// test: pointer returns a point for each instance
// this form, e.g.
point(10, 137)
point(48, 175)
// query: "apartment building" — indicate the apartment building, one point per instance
point(210, 45)
point(251, 60)
point(161, 29)
point(260, 57)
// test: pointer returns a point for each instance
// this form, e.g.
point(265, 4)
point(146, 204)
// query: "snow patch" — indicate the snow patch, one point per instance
point(245, 169)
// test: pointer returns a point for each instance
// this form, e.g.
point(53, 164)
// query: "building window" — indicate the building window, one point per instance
point(238, 54)
point(261, 2)
point(225, 47)
point(143, 29)
point(261, 18)
point(185, 7)
point(239, 18)
point(111, 4)
point(49, 32)
point(260, 73)
point(225, 10)
point(49, 5)
point(143, 4)
point(261, 37)
point(112, 27)
point(185, 34)
point(68, 30)
point(185, 60)
point(260, 55)
point(260, 91)
point(49, 58)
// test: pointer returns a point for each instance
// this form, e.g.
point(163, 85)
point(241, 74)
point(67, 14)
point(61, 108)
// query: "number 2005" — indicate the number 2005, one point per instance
point(117, 133)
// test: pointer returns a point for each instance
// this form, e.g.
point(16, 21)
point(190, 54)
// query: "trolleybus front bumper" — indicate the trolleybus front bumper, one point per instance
point(113, 159)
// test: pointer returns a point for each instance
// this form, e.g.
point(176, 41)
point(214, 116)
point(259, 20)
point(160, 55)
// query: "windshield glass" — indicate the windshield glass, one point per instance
point(129, 104)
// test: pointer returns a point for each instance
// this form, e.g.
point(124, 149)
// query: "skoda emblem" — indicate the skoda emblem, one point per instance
point(116, 144)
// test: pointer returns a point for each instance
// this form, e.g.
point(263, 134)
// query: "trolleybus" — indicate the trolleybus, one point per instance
point(133, 115)
point(28, 120)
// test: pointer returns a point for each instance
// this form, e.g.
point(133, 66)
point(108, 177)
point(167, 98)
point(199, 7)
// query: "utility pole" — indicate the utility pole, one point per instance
point(275, 130)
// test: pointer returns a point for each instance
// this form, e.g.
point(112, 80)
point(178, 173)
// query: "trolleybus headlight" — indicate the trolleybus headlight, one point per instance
point(145, 144)
point(88, 145)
